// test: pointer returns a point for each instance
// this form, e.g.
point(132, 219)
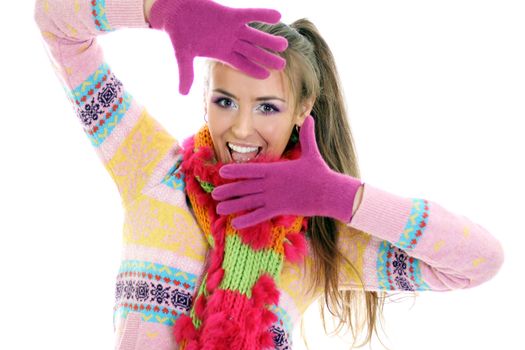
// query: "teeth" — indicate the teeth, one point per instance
point(242, 149)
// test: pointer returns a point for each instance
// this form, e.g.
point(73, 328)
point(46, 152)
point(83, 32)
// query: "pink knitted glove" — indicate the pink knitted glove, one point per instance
point(305, 186)
point(205, 28)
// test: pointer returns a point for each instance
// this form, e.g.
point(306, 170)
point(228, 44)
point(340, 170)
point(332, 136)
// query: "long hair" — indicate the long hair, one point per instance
point(311, 73)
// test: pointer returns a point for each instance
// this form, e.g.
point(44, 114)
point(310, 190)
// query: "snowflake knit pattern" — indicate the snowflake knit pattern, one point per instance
point(243, 267)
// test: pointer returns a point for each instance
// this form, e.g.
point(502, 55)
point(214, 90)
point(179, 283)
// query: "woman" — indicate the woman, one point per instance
point(230, 256)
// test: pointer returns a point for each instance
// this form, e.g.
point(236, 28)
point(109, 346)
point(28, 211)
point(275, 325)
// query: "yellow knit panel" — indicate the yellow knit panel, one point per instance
point(155, 224)
point(138, 156)
point(353, 244)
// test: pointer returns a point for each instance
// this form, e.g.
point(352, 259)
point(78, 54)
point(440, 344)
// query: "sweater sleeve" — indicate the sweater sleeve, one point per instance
point(134, 147)
point(410, 244)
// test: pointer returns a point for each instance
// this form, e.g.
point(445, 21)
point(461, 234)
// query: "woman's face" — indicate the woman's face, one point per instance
point(248, 112)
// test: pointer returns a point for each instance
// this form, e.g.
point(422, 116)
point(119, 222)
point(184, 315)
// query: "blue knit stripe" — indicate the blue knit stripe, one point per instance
point(415, 226)
point(175, 177)
point(417, 277)
point(98, 11)
point(81, 94)
point(163, 271)
point(381, 266)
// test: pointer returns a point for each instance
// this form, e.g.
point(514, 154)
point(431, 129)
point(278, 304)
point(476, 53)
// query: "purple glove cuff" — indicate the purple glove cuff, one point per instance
point(340, 192)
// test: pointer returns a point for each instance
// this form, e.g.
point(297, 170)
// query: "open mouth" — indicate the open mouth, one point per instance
point(242, 154)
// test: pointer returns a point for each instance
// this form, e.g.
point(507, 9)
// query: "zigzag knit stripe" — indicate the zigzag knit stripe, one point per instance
point(99, 15)
point(415, 226)
point(81, 94)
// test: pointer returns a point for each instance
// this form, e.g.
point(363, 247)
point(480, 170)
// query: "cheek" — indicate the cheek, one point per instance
point(217, 125)
point(216, 131)
point(276, 137)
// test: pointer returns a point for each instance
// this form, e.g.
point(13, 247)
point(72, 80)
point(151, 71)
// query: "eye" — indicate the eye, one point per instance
point(267, 108)
point(227, 101)
point(272, 109)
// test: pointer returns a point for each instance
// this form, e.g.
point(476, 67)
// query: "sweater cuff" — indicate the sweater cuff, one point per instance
point(381, 214)
point(126, 14)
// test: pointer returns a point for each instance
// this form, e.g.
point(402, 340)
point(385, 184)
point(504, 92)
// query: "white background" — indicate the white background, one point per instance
point(436, 97)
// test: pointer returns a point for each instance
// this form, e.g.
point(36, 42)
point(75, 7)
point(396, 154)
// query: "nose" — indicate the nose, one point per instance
point(243, 126)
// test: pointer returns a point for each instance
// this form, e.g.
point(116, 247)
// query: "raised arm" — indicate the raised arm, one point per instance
point(134, 148)
point(415, 244)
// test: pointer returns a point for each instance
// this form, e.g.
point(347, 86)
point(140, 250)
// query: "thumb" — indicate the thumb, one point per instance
point(185, 65)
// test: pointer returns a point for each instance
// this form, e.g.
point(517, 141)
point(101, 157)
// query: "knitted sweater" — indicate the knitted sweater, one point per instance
point(395, 242)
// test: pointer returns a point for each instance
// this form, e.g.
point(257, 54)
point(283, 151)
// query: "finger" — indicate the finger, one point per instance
point(255, 53)
point(185, 64)
point(242, 63)
point(307, 136)
point(237, 189)
point(240, 204)
point(253, 218)
point(246, 171)
point(262, 39)
point(259, 15)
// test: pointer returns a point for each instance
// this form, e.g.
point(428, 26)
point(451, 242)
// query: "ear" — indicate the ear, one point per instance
point(307, 109)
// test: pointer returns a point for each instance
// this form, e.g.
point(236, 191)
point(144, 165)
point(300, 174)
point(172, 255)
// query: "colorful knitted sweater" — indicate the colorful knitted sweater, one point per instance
point(396, 243)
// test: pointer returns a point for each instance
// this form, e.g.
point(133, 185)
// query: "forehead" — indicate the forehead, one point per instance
point(242, 85)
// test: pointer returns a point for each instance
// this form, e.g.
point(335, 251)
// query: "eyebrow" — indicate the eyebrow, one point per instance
point(262, 98)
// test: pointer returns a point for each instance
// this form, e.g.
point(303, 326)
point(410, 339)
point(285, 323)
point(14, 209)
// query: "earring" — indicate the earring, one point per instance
point(205, 119)
point(295, 134)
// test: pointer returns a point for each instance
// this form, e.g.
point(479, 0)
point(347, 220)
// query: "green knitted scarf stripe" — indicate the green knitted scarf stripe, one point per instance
point(241, 257)
point(243, 266)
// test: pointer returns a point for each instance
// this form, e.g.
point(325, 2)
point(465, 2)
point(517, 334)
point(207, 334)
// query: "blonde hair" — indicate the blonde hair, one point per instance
point(311, 73)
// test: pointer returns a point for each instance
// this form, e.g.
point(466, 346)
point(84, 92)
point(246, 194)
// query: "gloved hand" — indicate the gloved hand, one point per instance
point(205, 28)
point(305, 186)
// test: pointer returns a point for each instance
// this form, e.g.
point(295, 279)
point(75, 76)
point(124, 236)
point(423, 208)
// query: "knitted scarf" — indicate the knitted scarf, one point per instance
point(231, 308)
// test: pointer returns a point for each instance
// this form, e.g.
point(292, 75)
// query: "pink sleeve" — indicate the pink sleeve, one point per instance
point(134, 148)
point(415, 244)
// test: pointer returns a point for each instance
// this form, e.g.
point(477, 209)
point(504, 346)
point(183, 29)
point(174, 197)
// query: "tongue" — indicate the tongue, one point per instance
point(243, 157)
